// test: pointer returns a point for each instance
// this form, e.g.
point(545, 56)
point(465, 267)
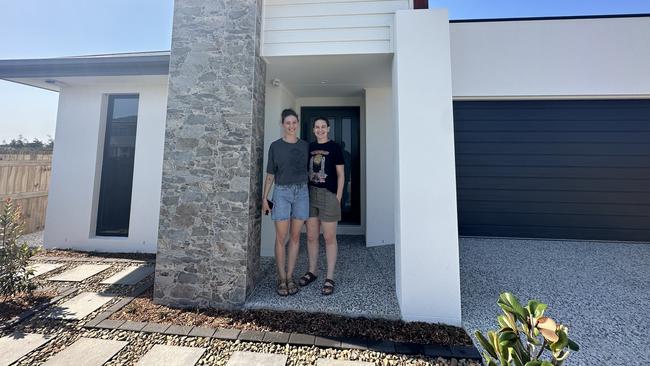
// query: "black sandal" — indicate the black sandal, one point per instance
point(307, 278)
point(328, 287)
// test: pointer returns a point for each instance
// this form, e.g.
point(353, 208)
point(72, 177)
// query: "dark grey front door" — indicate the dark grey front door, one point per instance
point(344, 129)
point(554, 168)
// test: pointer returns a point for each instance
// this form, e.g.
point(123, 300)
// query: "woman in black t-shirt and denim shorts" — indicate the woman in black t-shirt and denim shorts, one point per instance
point(326, 180)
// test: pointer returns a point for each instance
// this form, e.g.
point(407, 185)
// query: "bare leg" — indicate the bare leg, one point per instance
point(331, 246)
point(281, 230)
point(294, 246)
point(313, 232)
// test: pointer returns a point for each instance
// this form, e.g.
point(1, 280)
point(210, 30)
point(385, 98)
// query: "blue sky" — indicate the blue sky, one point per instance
point(54, 28)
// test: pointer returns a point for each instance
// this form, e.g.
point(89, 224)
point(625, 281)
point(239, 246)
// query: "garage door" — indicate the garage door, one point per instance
point(554, 169)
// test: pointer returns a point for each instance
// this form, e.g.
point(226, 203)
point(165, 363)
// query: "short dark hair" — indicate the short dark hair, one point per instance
point(288, 112)
point(320, 118)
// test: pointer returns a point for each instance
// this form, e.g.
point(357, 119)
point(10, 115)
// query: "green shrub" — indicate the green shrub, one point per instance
point(524, 334)
point(15, 274)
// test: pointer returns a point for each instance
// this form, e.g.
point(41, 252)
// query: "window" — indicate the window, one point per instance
point(114, 205)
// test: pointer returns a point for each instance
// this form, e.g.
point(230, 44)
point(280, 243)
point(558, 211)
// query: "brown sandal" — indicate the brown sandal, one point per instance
point(292, 289)
point(282, 288)
point(328, 287)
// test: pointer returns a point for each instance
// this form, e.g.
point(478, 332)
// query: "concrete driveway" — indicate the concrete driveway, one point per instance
point(600, 290)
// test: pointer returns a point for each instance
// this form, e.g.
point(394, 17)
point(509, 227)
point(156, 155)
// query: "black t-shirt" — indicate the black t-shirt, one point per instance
point(323, 159)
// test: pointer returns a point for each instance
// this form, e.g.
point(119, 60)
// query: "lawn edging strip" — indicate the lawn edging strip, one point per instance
point(296, 339)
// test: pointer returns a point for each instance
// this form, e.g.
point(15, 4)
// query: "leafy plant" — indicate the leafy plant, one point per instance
point(15, 274)
point(524, 334)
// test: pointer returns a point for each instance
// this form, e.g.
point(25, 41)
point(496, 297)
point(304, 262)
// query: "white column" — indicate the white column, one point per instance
point(426, 249)
point(380, 150)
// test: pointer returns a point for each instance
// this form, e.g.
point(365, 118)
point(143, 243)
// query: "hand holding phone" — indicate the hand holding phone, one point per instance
point(270, 205)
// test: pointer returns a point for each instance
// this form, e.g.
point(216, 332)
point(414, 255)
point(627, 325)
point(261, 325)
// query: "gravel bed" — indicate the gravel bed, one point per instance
point(143, 309)
point(73, 254)
point(365, 282)
point(600, 290)
point(35, 239)
point(218, 351)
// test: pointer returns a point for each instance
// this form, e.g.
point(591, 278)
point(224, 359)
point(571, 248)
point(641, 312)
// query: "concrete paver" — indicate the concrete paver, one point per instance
point(171, 356)
point(79, 306)
point(93, 352)
point(43, 268)
point(17, 345)
point(81, 272)
point(129, 276)
point(240, 358)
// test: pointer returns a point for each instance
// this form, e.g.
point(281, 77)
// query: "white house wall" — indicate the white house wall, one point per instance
point(380, 163)
point(328, 27)
point(569, 57)
point(76, 167)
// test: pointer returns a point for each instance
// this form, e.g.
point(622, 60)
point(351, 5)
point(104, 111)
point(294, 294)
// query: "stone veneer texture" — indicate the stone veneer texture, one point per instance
point(210, 214)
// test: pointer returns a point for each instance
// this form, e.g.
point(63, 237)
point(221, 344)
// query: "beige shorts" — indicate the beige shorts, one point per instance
point(324, 205)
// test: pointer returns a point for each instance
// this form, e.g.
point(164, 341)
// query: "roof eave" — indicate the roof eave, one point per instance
point(105, 66)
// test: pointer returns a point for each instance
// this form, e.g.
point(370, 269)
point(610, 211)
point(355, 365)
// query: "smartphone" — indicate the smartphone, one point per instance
point(270, 206)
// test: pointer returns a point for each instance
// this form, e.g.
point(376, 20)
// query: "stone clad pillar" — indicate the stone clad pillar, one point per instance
point(210, 221)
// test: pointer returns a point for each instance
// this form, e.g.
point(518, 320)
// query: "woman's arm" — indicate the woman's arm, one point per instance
point(268, 182)
point(340, 180)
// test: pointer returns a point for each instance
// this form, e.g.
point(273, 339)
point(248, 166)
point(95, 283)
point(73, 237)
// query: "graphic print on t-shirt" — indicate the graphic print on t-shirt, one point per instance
point(317, 166)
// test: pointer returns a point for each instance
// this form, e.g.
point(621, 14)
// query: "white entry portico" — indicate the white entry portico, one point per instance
point(404, 93)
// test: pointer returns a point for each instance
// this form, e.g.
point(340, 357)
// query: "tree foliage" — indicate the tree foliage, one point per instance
point(524, 335)
point(23, 144)
point(15, 274)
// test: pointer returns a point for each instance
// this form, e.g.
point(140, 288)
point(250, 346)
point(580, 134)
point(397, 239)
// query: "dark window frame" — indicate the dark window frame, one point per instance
point(103, 223)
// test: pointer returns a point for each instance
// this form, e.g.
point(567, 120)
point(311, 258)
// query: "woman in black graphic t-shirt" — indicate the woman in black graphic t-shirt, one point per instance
point(326, 180)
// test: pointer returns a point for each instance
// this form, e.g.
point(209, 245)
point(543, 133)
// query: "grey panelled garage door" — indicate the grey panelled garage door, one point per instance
point(554, 169)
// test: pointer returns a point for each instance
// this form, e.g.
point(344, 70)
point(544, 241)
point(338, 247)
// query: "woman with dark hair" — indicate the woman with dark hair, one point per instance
point(287, 168)
point(326, 180)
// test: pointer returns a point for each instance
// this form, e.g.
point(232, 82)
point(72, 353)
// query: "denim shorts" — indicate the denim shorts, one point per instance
point(290, 201)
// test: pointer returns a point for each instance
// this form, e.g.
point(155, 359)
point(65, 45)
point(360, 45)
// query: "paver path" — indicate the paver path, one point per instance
point(256, 359)
point(79, 306)
point(87, 352)
point(129, 276)
point(17, 345)
point(81, 272)
point(43, 268)
point(171, 356)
